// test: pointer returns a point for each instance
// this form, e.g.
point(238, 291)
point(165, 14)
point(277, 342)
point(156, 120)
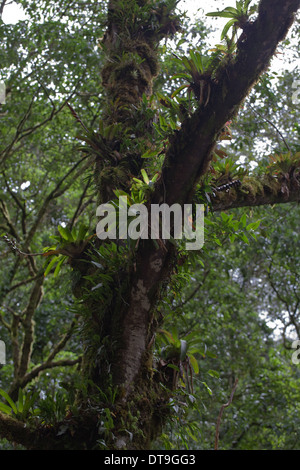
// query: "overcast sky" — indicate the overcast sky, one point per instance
point(13, 12)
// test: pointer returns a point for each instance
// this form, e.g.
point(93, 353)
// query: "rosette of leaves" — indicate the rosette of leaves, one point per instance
point(22, 408)
point(286, 167)
point(239, 16)
point(177, 354)
point(200, 73)
point(69, 244)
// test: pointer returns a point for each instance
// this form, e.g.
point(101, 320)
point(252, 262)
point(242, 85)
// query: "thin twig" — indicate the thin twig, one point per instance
point(190, 297)
point(273, 125)
point(15, 249)
point(83, 195)
point(221, 413)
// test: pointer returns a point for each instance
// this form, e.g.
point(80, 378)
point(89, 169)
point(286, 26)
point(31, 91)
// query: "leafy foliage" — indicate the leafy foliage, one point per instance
point(23, 408)
point(239, 16)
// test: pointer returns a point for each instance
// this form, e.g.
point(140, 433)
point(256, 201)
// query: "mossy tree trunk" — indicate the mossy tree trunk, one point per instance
point(125, 325)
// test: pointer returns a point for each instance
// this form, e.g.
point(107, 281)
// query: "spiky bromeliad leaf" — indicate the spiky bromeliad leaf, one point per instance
point(12, 406)
point(227, 27)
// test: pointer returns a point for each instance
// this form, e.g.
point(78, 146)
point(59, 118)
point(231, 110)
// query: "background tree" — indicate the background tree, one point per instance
point(124, 352)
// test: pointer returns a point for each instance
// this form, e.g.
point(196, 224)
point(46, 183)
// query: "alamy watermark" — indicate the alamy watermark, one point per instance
point(162, 222)
point(2, 353)
point(296, 93)
point(2, 92)
point(296, 354)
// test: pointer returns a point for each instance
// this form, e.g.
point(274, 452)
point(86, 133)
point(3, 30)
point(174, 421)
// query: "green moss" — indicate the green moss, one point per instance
point(129, 74)
point(271, 184)
point(252, 186)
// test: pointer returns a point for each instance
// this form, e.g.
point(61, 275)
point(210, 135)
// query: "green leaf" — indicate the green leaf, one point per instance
point(172, 366)
point(181, 75)
point(192, 436)
point(224, 14)
point(51, 264)
point(197, 60)
point(231, 10)
point(213, 373)
point(243, 220)
point(207, 388)
point(224, 216)
point(149, 154)
point(227, 27)
point(29, 401)
point(5, 409)
point(217, 241)
point(244, 238)
point(9, 400)
point(212, 355)
point(178, 90)
point(253, 225)
point(20, 401)
point(194, 363)
point(155, 177)
point(82, 231)
point(65, 233)
point(167, 334)
point(58, 266)
point(186, 63)
point(145, 176)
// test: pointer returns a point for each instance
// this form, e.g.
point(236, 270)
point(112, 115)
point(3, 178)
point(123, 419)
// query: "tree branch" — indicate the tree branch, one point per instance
point(6, 216)
point(56, 192)
point(16, 431)
point(257, 191)
point(34, 373)
point(22, 381)
point(28, 324)
point(221, 413)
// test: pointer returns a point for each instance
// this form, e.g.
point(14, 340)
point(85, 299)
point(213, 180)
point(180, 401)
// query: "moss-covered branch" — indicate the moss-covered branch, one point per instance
point(15, 431)
point(255, 191)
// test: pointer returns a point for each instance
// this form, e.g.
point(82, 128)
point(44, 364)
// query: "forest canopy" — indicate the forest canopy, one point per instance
point(140, 344)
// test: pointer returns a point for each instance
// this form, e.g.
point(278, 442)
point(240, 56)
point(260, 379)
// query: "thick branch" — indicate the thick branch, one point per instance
point(15, 431)
point(22, 380)
point(256, 191)
point(34, 373)
point(19, 432)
